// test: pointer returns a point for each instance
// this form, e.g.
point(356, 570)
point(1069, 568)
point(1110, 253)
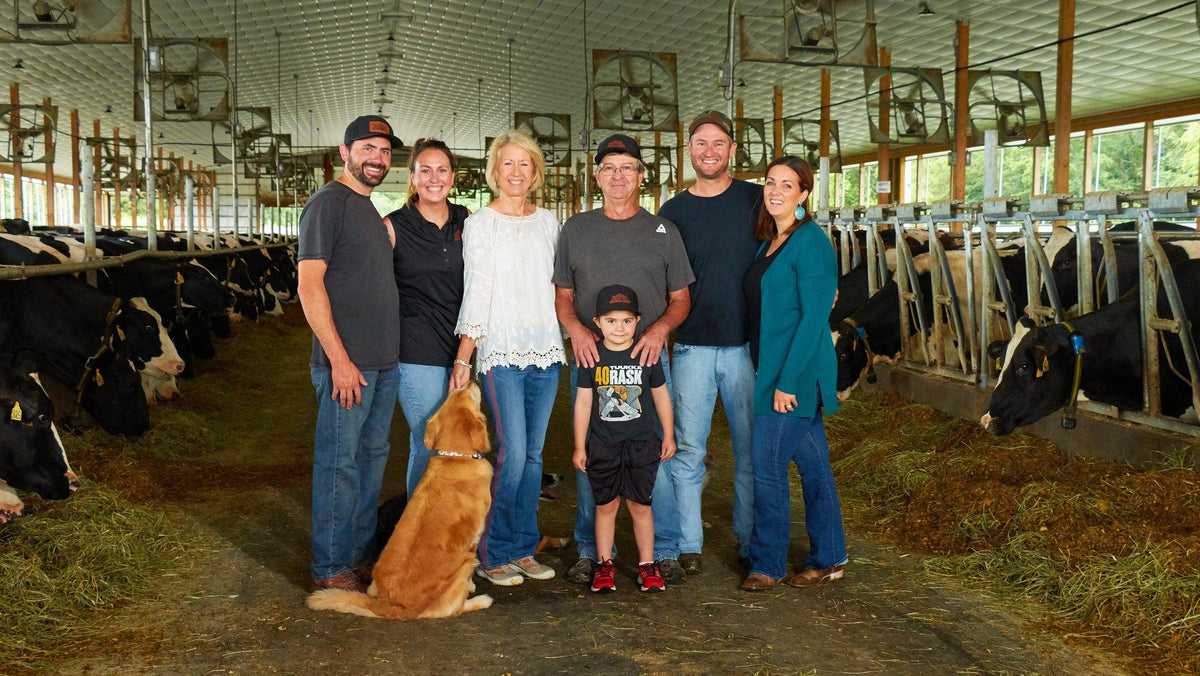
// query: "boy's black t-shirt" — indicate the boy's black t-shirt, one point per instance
point(622, 405)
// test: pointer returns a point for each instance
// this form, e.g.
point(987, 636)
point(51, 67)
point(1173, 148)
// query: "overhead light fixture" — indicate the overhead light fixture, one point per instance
point(926, 10)
point(741, 82)
point(108, 109)
point(160, 134)
point(193, 151)
point(391, 37)
point(19, 65)
point(385, 67)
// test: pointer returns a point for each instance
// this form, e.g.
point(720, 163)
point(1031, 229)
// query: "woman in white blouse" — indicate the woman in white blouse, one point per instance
point(507, 315)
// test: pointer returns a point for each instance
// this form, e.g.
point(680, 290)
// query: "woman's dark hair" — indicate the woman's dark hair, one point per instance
point(427, 143)
point(764, 229)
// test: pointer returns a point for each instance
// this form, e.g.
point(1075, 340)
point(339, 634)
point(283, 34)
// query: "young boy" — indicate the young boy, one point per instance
point(617, 436)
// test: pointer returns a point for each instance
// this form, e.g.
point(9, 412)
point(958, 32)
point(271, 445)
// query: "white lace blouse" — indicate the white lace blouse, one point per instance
point(508, 300)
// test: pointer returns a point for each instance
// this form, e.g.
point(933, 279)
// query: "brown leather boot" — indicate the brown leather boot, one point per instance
point(811, 576)
point(758, 582)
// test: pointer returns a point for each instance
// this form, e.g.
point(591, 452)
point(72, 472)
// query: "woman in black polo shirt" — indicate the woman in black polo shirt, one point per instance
point(429, 273)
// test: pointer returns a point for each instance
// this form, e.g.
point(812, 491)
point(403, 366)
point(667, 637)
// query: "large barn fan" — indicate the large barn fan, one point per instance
point(561, 185)
point(814, 33)
point(269, 164)
point(915, 105)
point(60, 22)
point(551, 131)
point(802, 138)
point(636, 91)
point(469, 178)
point(23, 134)
point(752, 152)
point(1010, 102)
point(117, 169)
point(168, 174)
point(255, 143)
point(187, 79)
point(660, 168)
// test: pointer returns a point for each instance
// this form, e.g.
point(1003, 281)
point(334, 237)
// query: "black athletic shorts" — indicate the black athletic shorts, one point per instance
point(625, 469)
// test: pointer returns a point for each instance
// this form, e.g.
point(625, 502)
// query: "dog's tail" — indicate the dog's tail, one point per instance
point(343, 601)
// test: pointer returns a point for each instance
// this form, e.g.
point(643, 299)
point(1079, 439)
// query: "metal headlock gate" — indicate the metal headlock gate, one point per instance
point(953, 343)
point(8, 272)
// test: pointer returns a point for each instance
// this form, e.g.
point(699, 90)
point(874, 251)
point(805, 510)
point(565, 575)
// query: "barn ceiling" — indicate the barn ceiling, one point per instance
point(315, 63)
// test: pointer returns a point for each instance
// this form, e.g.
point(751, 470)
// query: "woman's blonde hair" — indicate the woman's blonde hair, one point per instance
point(526, 143)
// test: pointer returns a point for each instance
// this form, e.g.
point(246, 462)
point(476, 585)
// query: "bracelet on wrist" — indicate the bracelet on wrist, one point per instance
point(463, 362)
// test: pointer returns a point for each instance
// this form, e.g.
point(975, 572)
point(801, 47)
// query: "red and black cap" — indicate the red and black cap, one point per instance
point(616, 297)
point(618, 143)
point(367, 126)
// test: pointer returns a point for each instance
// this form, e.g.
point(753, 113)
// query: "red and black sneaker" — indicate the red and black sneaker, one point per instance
point(604, 577)
point(650, 578)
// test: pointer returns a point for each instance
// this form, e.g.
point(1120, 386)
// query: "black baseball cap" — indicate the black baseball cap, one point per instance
point(712, 117)
point(616, 297)
point(367, 126)
point(618, 143)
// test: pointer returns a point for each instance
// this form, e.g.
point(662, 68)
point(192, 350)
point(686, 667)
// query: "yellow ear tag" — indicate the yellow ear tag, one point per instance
point(120, 333)
point(16, 411)
point(998, 365)
point(1045, 363)
point(179, 278)
point(99, 379)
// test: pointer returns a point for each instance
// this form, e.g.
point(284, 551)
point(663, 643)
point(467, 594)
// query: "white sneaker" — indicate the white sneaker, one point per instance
point(529, 567)
point(507, 575)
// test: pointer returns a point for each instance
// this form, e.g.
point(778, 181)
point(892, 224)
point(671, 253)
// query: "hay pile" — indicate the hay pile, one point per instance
point(1113, 552)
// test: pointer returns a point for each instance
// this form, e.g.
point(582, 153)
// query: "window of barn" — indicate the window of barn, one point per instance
point(1176, 149)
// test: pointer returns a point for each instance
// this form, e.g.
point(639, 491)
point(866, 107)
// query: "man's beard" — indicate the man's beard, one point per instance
point(356, 170)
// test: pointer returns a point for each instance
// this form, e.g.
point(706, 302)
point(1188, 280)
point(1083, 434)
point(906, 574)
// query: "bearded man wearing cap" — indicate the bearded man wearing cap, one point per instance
point(622, 243)
point(711, 355)
point(348, 292)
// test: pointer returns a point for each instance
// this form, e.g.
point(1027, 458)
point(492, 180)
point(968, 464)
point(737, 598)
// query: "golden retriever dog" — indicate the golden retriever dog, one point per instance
point(425, 569)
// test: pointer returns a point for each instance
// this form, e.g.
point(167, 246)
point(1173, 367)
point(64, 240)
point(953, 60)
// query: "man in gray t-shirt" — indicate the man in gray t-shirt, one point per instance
point(621, 243)
point(348, 292)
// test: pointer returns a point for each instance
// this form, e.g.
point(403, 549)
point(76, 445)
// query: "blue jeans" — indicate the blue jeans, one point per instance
point(520, 400)
point(699, 373)
point(666, 515)
point(350, 451)
point(423, 388)
point(779, 441)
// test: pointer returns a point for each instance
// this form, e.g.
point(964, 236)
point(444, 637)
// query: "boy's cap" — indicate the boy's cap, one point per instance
point(711, 117)
point(616, 297)
point(618, 143)
point(368, 126)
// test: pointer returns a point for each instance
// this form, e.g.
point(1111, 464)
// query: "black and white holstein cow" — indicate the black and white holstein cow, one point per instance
point(32, 457)
point(1065, 266)
point(1039, 362)
point(88, 340)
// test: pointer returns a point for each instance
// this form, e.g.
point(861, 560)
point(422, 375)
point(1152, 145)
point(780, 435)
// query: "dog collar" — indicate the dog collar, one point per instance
point(452, 454)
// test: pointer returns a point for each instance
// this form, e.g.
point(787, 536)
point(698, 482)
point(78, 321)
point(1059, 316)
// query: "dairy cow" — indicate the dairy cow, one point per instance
point(32, 457)
point(1039, 362)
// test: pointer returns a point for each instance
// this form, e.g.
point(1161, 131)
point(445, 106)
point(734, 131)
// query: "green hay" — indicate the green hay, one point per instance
point(64, 559)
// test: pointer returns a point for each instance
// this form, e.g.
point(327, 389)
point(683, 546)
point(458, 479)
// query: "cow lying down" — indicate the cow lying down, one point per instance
point(1038, 365)
point(32, 457)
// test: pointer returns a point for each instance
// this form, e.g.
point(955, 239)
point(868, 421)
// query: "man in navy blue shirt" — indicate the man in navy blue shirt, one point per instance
point(711, 354)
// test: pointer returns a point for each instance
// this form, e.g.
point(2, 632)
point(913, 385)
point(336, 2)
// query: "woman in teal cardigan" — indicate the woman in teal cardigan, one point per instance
point(790, 288)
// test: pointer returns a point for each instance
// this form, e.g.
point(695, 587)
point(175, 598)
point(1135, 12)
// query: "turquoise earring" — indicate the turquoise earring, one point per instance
point(799, 212)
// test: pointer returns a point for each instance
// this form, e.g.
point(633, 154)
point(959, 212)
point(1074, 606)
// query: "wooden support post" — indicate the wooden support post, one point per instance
point(1038, 160)
point(48, 139)
point(823, 142)
point(777, 124)
point(160, 196)
point(898, 179)
point(1089, 162)
point(75, 181)
point(1062, 96)
point(173, 194)
point(958, 173)
point(116, 210)
point(1148, 156)
point(885, 124)
point(18, 201)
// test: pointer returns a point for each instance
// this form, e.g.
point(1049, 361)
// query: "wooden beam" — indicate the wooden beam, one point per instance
point(1148, 156)
point(18, 172)
point(825, 104)
point(777, 123)
point(75, 181)
point(885, 122)
point(1089, 161)
point(116, 215)
point(97, 193)
point(1065, 65)
point(48, 138)
point(958, 172)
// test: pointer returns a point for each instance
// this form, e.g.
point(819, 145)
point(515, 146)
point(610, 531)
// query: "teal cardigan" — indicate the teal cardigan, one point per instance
point(795, 351)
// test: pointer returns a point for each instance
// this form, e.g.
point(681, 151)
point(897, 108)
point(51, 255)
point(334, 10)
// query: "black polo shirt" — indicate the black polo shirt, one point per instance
point(428, 263)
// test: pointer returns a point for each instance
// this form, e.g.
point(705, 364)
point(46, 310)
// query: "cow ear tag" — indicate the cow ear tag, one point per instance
point(99, 379)
point(16, 412)
point(998, 365)
point(179, 278)
point(120, 333)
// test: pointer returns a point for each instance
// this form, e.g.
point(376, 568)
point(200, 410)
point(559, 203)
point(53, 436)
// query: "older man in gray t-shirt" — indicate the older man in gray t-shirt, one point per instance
point(349, 296)
point(621, 243)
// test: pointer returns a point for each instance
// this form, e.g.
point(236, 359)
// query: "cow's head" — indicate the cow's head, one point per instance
point(1035, 378)
point(136, 335)
point(201, 289)
point(32, 457)
point(112, 394)
point(852, 358)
